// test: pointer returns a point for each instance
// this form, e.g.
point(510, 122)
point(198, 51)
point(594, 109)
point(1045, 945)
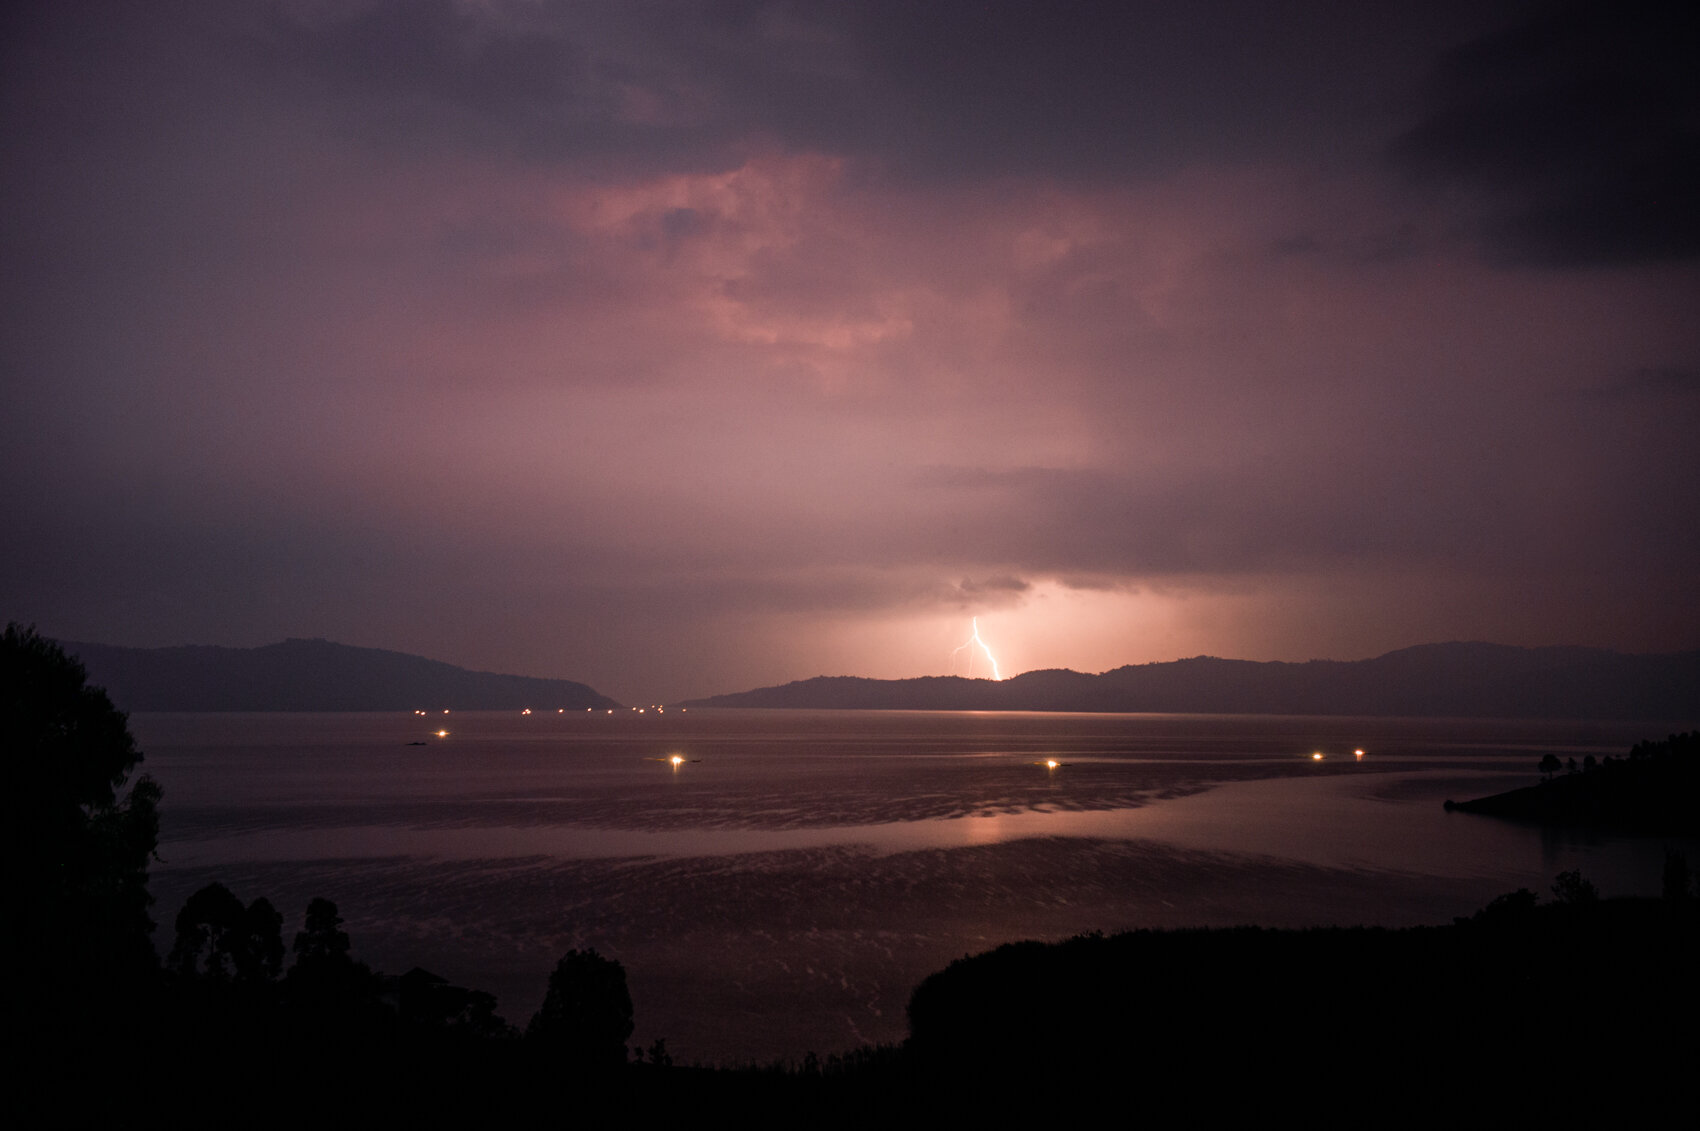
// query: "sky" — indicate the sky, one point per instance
point(682, 348)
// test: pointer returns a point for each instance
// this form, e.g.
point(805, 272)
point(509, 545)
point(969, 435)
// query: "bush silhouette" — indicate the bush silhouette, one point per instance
point(321, 943)
point(329, 992)
point(220, 939)
point(587, 1011)
point(1573, 890)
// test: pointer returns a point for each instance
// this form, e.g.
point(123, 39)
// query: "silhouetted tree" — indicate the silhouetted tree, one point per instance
point(587, 1011)
point(1550, 765)
point(218, 938)
point(321, 941)
point(1571, 889)
point(78, 841)
point(265, 941)
point(325, 984)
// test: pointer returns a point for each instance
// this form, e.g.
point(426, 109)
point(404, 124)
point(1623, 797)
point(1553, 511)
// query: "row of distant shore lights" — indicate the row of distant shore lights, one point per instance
point(678, 760)
point(656, 707)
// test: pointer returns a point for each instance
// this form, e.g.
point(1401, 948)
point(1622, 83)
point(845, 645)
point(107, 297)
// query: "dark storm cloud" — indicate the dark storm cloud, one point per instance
point(435, 51)
point(1672, 384)
point(611, 87)
point(991, 588)
point(1668, 380)
point(1096, 88)
point(952, 89)
point(424, 74)
point(1581, 127)
point(1268, 514)
point(681, 346)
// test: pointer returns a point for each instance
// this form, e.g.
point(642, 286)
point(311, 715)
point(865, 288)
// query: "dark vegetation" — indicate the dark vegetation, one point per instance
point(313, 675)
point(222, 1030)
point(1459, 679)
point(1655, 791)
point(1566, 1008)
point(1574, 1008)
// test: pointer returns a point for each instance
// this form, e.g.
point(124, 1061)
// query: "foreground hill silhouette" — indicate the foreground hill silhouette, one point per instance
point(1468, 680)
point(312, 675)
point(1475, 1021)
point(1654, 792)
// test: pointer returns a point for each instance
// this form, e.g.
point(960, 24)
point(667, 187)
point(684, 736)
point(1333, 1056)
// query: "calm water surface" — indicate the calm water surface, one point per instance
point(784, 887)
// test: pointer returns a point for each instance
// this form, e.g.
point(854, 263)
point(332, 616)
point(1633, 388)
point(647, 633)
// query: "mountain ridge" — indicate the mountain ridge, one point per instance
point(311, 675)
point(1464, 679)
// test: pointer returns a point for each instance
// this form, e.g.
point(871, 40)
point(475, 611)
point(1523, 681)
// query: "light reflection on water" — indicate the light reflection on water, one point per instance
point(321, 787)
point(786, 891)
point(1331, 823)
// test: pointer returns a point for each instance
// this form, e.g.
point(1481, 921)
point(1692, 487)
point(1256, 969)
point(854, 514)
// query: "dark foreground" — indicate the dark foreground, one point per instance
point(1559, 1010)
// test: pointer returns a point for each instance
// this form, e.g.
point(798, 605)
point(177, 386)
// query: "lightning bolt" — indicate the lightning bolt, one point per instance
point(972, 640)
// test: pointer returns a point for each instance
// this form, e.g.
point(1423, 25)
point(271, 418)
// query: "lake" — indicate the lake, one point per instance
point(784, 886)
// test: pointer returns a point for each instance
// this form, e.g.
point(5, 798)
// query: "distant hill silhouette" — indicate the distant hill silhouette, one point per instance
point(1457, 679)
point(311, 675)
